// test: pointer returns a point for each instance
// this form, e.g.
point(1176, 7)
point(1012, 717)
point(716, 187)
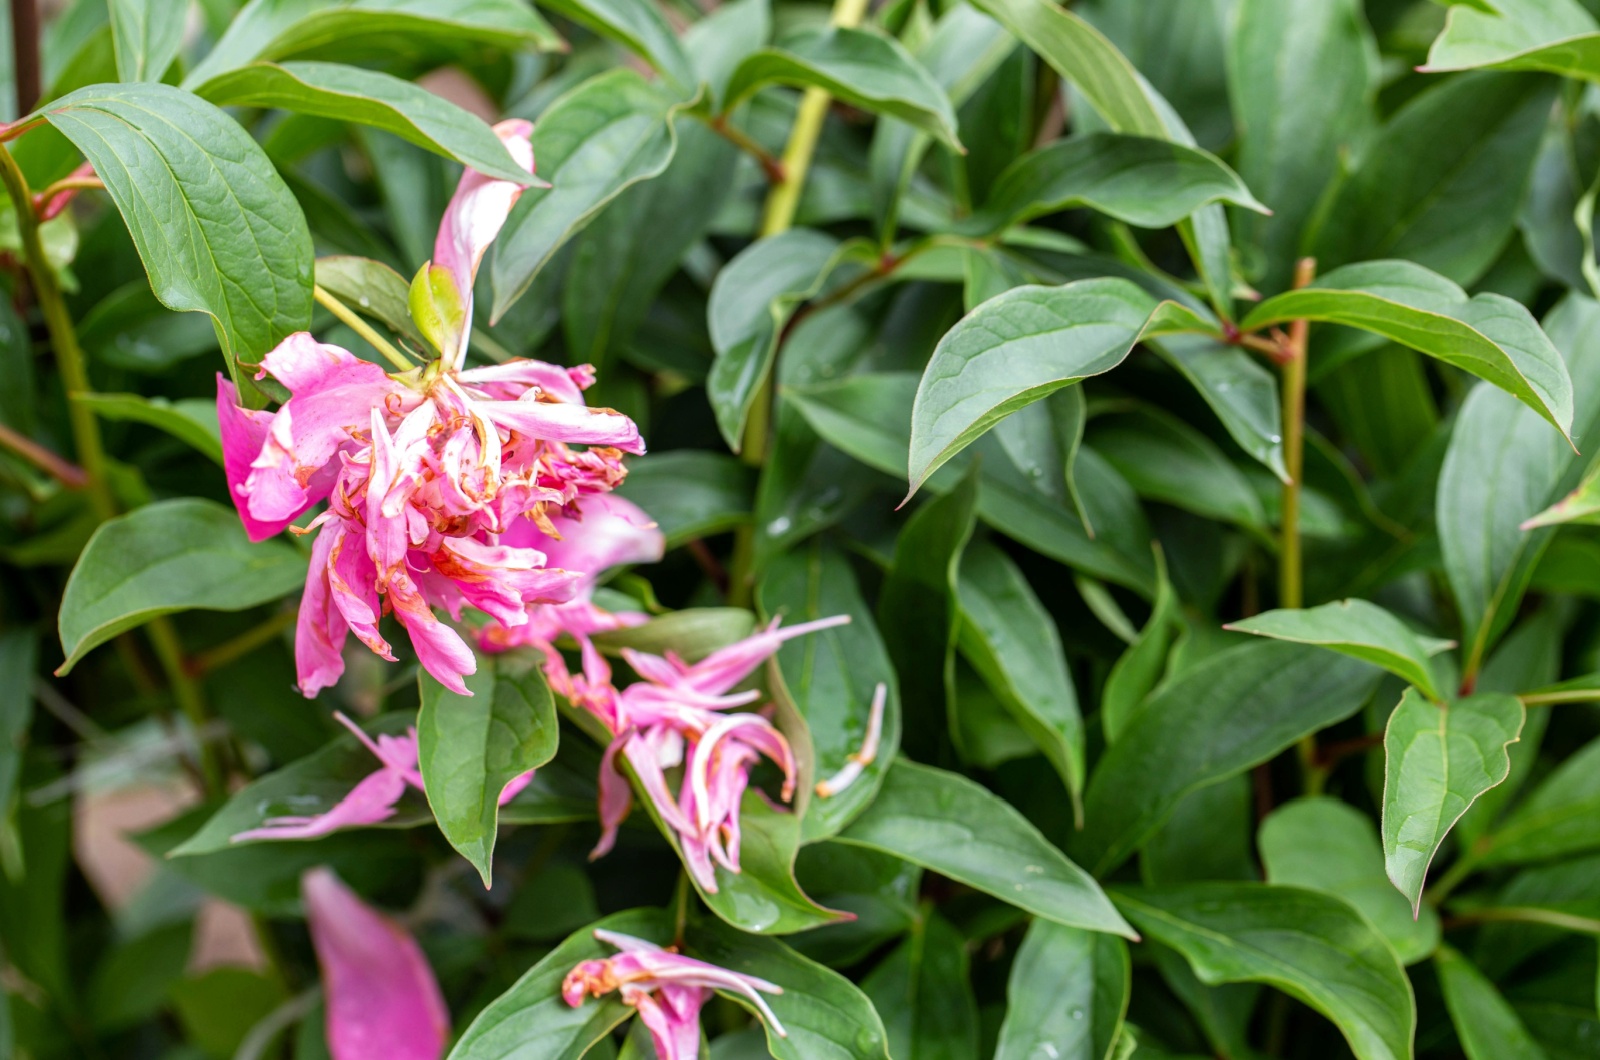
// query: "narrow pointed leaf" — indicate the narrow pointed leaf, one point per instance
point(1359, 629)
point(1489, 1028)
point(1488, 335)
point(1239, 389)
point(146, 36)
point(1556, 36)
point(190, 420)
point(470, 747)
point(1311, 946)
point(638, 26)
point(856, 66)
point(1138, 670)
point(1067, 995)
point(1560, 817)
point(174, 555)
point(1582, 505)
point(923, 987)
point(959, 829)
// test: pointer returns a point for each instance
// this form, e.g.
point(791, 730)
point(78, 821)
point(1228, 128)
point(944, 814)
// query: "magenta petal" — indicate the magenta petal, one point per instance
point(381, 996)
point(370, 802)
point(320, 628)
point(244, 431)
point(558, 422)
point(304, 365)
point(514, 787)
point(726, 667)
point(673, 1016)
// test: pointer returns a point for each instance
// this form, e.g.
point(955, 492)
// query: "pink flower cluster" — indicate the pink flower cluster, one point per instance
point(437, 480)
point(667, 989)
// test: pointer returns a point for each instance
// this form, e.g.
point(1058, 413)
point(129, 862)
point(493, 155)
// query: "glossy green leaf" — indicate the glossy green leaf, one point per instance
point(1165, 459)
point(1067, 995)
point(923, 987)
point(1152, 183)
point(375, 29)
point(692, 633)
point(368, 97)
point(371, 288)
point(718, 42)
point(1234, 710)
point(1326, 845)
point(602, 137)
point(955, 827)
point(1240, 390)
point(1439, 759)
point(1488, 335)
point(826, 1016)
point(216, 227)
point(1359, 629)
point(858, 67)
point(173, 555)
point(1487, 1026)
point(470, 747)
point(1012, 641)
point(530, 1021)
point(1302, 75)
point(1560, 817)
point(690, 493)
point(190, 420)
point(638, 26)
point(1440, 183)
point(1020, 347)
point(1310, 945)
point(831, 677)
point(1138, 670)
point(751, 300)
point(146, 36)
point(1557, 36)
point(1582, 505)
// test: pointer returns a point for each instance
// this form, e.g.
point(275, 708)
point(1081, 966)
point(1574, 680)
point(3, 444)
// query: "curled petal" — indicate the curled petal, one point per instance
point(320, 627)
point(726, 667)
point(371, 801)
point(306, 366)
point(559, 422)
point(244, 432)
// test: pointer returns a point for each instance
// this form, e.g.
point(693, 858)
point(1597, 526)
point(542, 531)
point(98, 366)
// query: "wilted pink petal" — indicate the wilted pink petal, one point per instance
point(514, 786)
point(510, 380)
point(672, 1014)
point(859, 761)
point(560, 422)
point(726, 667)
point(381, 996)
point(243, 433)
point(440, 649)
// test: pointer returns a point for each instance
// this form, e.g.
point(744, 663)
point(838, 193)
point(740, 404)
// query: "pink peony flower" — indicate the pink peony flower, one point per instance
point(381, 996)
point(667, 988)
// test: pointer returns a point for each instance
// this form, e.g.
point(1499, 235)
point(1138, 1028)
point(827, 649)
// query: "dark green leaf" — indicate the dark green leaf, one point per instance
point(1310, 945)
point(690, 493)
point(1139, 669)
point(1234, 710)
point(368, 97)
point(860, 68)
point(957, 828)
point(638, 26)
point(923, 990)
point(1487, 1026)
point(217, 229)
point(1359, 629)
point(373, 288)
point(1329, 846)
point(470, 747)
point(1167, 460)
point(170, 556)
point(190, 420)
point(1439, 760)
point(1239, 389)
point(147, 35)
point(1067, 995)
point(18, 651)
point(1561, 817)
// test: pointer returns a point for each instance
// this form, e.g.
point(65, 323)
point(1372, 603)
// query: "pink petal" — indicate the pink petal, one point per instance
point(512, 379)
point(606, 532)
point(673, 1017)
point(557, 422)
point(305, 365)
point(616, 797)
point(440, 649)
point(726, 667)
point(381, 996)
point(319, 628)
point(514, 787)
point(244, 431)
point(369, 802)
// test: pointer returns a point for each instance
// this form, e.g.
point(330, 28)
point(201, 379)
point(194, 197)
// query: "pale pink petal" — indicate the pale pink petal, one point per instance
point(606, 531)
point(673, 1016)
point(514, 787)
point(559, 422)
point(512, 379)
point(381, 996)
point(371, 801)
point(616, 797)
point(305, 365)
point(319, 628)
point(503, 582)
point(726, 667)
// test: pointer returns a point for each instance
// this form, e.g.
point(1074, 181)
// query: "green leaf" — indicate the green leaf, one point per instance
point(826, 1016)
point(1234, 710)
point(370, 29)
point(1360, 630)
point(18, 656)
point(470, 747)
point(594, 142)
point(146, 35)
point(718, 42)
point(1021, 346)
point(1439, 759)
point(1012, 641)
point(1067, 995)
point(1165, 459)
point(368, 97)
point(855, 66)
point(190, 420)
point(1582, 505)
point(530, 1021)
point(1561, 816)
point(1440, 183)
point(1239, 389)
point(751, 300)
point(1556, 36)
point(923, 989)
point(690, 493)
point(372, 288)
point(831, 677)
point(693, 633)
point(638, 26)
point(1309, 945)
point(1138, 670)
point(217, 229)
point(1326, 845)
point(1152, 183)
point(1488, 1027)
point(955, 827)
point(169, 556)
point(1302, 76)
point(1488, 335)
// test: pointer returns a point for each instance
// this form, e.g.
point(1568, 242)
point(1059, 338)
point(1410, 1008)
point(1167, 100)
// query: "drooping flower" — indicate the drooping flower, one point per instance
point(382, 999)
point(374, 799)
point(677, 716)
point(666, 988)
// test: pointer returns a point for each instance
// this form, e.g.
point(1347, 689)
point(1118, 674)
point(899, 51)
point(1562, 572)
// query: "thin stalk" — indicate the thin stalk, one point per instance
point(186, 690)
point(67, 473)
point(362, 328)
point(1464, 866)
point(25, 52)
point(1527, 915)
point(739, 138)
point(63, 339)
point(1290, 569)
point(1546, 699)
point(240, 646)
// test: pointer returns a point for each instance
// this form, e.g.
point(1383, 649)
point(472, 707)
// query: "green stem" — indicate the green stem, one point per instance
point(1291, 592)
point(242, 645)
point(63, 339)
point(1527, 915)
point(773, 168)
point(1546, 699)
point(1465, 866)
point(362, 328)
